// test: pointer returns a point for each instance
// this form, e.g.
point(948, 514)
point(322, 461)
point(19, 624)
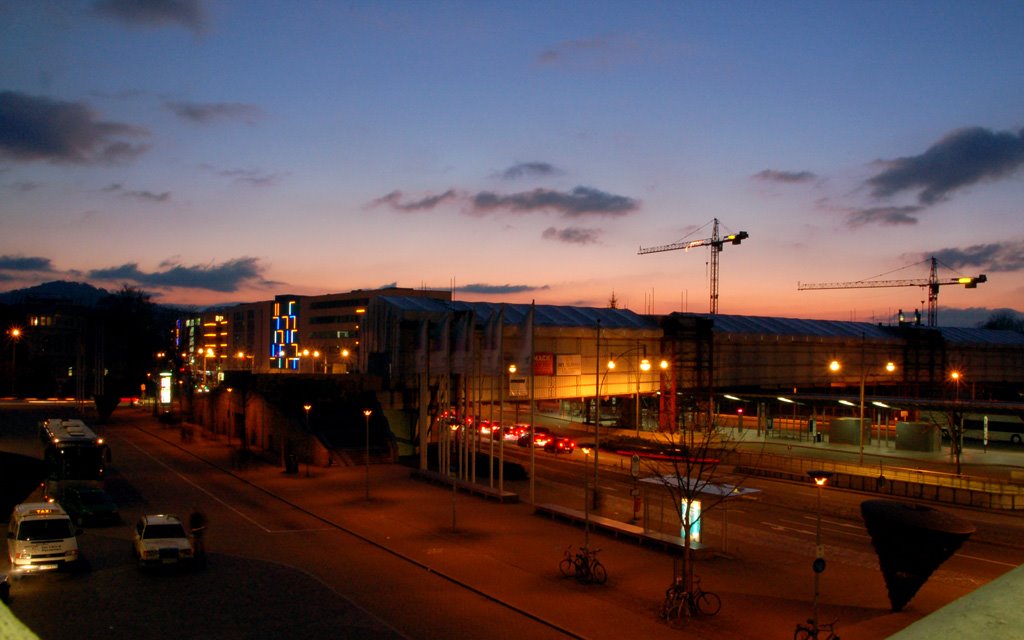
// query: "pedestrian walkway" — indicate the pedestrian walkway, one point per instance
point(507, 553)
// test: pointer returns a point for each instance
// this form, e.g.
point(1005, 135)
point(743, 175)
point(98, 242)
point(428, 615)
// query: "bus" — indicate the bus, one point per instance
point(994, 428)
point(73, 454)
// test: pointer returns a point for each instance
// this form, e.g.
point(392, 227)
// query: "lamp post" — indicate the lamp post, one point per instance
point(835, 366)
point(645, 366)
point(820, 478)
point(366, 414)
point(957, 436)
point(453, 426)
point(586, 497)
point(15, 334)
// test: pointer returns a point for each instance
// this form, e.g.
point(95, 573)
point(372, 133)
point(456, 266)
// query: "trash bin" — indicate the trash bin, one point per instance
point(291, 463)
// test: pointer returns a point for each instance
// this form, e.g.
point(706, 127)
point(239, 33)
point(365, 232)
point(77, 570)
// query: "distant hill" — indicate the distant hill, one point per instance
point(76, 293)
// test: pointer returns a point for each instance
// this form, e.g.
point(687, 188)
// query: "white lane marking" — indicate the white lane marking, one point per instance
point(999, 562)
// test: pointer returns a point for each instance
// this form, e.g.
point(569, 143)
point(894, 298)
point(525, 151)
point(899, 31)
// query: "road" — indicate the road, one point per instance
point(309, 557)
point(275, 570)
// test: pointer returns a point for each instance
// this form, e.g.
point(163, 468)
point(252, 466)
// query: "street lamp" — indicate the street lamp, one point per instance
point(835, 366)
point(586, 498)
point(15, 334)
point(820, 478)
point(366, 414)
point(957, 431)
point(453, 426)
point(307, 407)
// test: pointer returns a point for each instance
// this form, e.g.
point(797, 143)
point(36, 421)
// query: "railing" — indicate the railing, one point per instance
point(924, 484)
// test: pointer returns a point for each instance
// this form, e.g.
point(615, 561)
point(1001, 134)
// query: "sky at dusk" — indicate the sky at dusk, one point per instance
point(230, 151)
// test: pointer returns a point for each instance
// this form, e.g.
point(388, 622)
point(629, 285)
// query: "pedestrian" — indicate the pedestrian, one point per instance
point(197, 524)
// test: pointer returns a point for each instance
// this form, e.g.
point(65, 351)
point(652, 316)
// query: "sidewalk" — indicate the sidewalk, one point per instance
point(509, 554)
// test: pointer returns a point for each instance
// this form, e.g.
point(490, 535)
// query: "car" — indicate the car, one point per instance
point(90, 506)
point(560, 445)
point(41, 537)
point(515, 432)
point(541, 436)
point(490, 430)
point(161, 540)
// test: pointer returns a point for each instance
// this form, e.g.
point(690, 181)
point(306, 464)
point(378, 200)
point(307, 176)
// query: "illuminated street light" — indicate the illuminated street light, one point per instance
point(586, 497)
point(835, 367)
point(820, 479)
point(15, 334)
point(366, 414)
point(307, 407)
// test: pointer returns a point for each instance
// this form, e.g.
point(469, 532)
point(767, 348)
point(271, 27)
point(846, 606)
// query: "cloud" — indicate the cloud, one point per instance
point(499, 289)
point(206, 112)
point(991, 257)
point(226, 277)
point(598, 52)
point(38, 128)
point(890, 216)
point(23, 186)
point(529, 170)
point(154, 13)
point(393, 200)
point(960, 159)
point(572, 235)
point(141, 195)
point(580, 201)
point(249, 176)
point(789, 177)
point(22, 263)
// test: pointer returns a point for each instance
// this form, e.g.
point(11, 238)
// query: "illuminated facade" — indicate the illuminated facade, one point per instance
point(289, 334)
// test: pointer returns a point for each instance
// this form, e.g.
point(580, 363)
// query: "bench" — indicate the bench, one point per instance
point(616, 528)
point(466, 487)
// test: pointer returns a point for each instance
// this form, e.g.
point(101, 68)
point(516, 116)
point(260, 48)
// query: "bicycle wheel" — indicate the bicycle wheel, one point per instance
point(567, 567)
point(709, 603)
point(678, 612)
point(803, 633)
point(598, 573)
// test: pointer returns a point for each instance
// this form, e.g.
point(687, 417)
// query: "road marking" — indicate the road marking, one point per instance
point(999, 562)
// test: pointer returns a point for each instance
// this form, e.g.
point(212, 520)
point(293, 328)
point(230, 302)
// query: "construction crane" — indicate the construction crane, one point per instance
point(932, 283)
point(715, 242)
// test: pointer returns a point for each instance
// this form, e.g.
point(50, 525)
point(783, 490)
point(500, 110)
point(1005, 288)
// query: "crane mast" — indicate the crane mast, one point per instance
point(715, 242)
point(932, 283)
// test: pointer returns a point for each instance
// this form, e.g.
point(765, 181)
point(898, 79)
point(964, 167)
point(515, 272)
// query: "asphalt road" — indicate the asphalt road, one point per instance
point(274, 571)
point(323, 563)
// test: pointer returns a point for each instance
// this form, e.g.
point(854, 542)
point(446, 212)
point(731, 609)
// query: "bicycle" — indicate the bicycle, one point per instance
point(680, 603)
point(812, 632)
point(583, 565)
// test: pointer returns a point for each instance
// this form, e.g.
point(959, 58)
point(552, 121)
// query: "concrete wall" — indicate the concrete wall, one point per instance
point(918, 436)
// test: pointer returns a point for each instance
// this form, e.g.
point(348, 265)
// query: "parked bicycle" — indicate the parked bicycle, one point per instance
point(811, 632)
point(583, 565)
point(680, 603)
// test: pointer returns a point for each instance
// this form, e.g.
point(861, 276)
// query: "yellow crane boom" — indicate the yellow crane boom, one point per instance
point(932, 282)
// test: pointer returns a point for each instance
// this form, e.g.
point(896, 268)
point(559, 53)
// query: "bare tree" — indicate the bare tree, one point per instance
point(694, 465)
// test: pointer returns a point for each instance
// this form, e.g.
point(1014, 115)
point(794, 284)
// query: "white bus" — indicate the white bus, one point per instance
point(73, 453)
point(993, 428)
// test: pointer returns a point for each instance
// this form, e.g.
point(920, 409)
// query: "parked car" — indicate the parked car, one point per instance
point(90, 506)
point(161, 539)
point(560, 445)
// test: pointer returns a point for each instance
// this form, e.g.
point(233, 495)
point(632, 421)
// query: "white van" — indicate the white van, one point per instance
point(41, 537)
